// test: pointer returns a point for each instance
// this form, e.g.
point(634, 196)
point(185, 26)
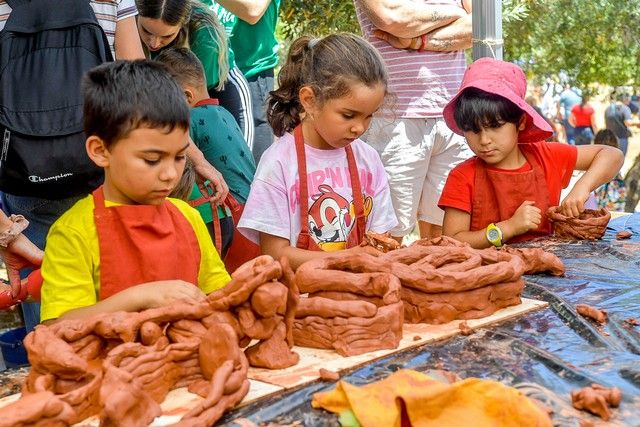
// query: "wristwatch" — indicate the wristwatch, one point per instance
point(494, 235)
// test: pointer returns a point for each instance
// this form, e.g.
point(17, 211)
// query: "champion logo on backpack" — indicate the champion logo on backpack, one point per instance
point(44, 52)
point(34, 178)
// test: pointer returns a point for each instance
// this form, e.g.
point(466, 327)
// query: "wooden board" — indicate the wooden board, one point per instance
point(311, 360)
point(265, 382)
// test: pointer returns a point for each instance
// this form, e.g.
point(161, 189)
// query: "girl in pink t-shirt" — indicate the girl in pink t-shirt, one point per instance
point(320, 188)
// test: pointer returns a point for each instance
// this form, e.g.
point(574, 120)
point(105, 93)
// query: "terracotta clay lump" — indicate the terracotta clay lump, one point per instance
point(121, 365)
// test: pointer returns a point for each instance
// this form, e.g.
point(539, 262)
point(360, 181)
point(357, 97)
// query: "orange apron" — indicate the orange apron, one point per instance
point(304, 238)
point(143, 243)
point(497, 195)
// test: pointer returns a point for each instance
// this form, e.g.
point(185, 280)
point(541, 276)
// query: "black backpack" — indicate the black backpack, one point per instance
point(45, 48)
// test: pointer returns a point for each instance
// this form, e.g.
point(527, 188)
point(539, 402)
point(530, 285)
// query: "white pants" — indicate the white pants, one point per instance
point(417, 155)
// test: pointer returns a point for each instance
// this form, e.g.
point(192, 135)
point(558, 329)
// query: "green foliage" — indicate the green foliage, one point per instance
point(595, 41)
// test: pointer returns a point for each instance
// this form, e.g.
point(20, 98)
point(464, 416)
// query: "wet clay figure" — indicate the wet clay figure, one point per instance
point(624, 234)
point(382, 242)
point(121, 365)
point(599, 316)
point(590, 225)
point(465, 329)
point(326, 375)
point(597, 400)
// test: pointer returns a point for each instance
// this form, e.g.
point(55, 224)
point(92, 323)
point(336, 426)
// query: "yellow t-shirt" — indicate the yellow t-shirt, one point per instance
point(71, 265)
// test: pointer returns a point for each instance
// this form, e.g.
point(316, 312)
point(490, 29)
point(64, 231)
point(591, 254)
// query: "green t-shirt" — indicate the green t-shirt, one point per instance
point(227, 18)
point(255, 46)
point(217, 134)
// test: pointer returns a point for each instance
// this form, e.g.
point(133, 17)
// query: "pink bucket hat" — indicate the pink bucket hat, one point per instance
point(507, 80)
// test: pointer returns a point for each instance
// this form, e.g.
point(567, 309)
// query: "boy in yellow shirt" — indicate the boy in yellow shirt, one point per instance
point(127, 246)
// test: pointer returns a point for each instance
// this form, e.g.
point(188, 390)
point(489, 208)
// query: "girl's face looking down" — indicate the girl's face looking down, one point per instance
point(498, 146)
point(155, 33)
point(337, 122)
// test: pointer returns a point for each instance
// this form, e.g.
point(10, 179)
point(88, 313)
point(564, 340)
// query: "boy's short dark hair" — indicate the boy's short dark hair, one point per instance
point(122, 96)
point(183, 65)
point(476, 109)
point(606, 137)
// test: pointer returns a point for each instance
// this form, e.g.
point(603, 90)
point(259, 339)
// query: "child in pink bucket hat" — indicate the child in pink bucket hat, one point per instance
point(502, 194)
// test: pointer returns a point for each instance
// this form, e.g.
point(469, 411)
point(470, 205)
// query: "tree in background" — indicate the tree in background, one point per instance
point(596, 41)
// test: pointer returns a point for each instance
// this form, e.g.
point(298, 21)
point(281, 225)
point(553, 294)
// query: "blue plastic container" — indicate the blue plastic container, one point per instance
point(12, 348)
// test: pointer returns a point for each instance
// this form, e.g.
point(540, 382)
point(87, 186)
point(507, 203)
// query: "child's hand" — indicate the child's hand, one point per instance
point(573, 204)
point(526, 217)
point(165, 292)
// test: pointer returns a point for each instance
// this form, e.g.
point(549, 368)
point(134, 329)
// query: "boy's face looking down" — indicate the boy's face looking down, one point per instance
point(498, 146)
point(142, 168)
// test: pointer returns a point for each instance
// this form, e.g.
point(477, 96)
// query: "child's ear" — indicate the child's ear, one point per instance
point(522, 123)
point(190, 96)
point(307, 99)
point(97, 151)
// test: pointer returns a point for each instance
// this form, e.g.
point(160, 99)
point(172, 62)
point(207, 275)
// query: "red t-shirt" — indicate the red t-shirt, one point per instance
point(558, 161)
point(582, 114)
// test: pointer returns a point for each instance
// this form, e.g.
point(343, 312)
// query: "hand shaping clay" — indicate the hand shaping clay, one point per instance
point(592, 313)
point(122, 365)
point(589, 225)
point(597, 400)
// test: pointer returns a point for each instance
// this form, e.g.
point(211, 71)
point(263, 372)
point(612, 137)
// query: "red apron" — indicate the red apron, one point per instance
point(241, 249)
point(143, 243)
point(497, 195)
point(304, 238)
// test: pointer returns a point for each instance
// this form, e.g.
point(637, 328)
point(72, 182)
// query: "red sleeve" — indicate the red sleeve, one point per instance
point(558, 161)
point(458, 190)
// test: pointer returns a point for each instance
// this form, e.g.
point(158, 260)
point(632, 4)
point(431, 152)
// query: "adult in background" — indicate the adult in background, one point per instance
point(568, 99)
point(583, 120)
point(423, 46)
point(254, 42)
point(189, 23)
point(117, 19)
point(617, 117)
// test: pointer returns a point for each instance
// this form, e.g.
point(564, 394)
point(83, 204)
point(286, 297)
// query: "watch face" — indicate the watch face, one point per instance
point(493, 234)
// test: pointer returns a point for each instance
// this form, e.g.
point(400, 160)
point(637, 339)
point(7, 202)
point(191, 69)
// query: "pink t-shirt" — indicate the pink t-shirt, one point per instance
point(273, 205)
point(422, 82)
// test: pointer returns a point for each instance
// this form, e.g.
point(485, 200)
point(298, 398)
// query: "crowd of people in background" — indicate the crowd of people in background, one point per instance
point(298, 169)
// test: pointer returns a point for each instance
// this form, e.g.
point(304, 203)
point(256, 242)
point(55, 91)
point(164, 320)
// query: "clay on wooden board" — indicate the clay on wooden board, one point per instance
point(597, 315)
point(122, 365)
point(326, 375)
point(597, 399)
point(589, 225)
point(353, 299)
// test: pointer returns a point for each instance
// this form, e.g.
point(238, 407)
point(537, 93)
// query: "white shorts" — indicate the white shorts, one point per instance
point(417, 155)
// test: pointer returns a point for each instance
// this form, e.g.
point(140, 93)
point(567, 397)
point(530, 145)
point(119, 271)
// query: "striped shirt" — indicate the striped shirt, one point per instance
point(108, 12)
point(421, 82)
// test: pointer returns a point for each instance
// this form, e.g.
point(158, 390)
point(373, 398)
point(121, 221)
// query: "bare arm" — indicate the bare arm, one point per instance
point(127, 40)
point(140, 297)
point(457, 224)
point(601, 163)
point(278, 247)
point(205, 170)
point(249, 11)
point(452, 37)
point(408, 19)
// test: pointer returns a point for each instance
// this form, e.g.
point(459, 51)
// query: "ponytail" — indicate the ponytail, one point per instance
point(283, 105)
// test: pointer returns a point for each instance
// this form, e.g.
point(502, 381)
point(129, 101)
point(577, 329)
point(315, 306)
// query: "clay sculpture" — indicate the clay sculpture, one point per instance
point(589, 225)
point(356, 302)
point(382, 242)
point(599, 316)
point(624, 234)
point(353, 305)
point(597, 400)
point(122, 365)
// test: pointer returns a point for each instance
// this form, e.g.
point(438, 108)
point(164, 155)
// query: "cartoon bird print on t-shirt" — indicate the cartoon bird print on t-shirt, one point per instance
point(332, 217)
